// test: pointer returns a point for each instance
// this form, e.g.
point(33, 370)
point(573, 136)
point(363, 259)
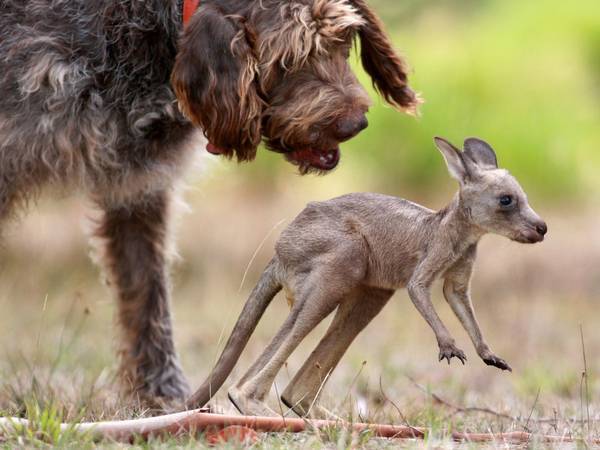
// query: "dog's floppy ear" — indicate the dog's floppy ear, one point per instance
point(382, 63)
point(214, 80)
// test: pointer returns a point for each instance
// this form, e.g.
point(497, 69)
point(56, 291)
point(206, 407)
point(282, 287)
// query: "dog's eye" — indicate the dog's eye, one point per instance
point(506, 200)
point(346, 49)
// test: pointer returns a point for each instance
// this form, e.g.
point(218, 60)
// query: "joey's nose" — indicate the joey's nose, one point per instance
point(541, 228)
point(348, 127)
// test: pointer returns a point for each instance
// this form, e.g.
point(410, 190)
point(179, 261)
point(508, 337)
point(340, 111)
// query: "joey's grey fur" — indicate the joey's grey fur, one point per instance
point(351, 253)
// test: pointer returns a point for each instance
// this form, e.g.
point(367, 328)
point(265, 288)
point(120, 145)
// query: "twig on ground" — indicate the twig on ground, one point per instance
point(461, 409)
point(402, 416)
point(194, 421)
point(476, 409)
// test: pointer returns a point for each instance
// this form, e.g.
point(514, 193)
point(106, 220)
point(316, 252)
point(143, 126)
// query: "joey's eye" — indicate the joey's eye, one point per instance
point(506, 200)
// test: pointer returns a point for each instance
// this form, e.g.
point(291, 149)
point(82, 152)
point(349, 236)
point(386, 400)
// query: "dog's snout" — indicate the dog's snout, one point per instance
point(348, 127)
point(541, 228)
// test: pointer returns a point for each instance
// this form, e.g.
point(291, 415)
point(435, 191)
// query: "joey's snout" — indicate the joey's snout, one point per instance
point(541, 228)
point(534, 232)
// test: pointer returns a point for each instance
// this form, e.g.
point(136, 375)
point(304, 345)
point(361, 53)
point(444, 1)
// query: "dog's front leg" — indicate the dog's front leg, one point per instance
point(135, 253)
point(457, 293)
point(419, 288)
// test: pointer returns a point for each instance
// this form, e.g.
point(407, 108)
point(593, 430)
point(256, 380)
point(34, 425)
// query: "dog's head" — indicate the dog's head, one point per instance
point(278, 70)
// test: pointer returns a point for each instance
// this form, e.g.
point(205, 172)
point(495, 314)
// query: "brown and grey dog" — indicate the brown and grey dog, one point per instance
point(351, 253)
point(89, 93)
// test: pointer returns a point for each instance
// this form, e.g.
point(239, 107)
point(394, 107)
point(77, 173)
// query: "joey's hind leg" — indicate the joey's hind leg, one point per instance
point(252, 402)
point(249, 394)
point(350, 319)
point(135, 253)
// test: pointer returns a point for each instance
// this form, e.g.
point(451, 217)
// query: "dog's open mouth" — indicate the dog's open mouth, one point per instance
point(306, 159)
point(311, 158)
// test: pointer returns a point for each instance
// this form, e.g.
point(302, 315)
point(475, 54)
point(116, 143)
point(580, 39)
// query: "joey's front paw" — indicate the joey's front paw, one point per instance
point(492, 360)
point(449, 351)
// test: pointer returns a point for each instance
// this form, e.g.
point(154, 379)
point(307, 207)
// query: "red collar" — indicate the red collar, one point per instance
point(189, 8)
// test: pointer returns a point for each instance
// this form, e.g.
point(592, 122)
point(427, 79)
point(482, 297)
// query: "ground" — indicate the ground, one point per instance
point(533, 301)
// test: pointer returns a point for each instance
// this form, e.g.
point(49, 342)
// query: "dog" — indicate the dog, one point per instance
point(108, 97)
point(351, 254)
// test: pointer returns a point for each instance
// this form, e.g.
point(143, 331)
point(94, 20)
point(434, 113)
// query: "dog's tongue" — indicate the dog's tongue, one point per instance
point(214, 150)
point(321, 159)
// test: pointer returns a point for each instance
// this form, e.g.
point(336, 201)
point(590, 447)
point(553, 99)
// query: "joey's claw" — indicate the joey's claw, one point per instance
point(448, 352)
point(493, 360)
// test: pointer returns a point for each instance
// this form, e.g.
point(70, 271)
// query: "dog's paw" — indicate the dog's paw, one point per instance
point(165, 389)
point(172, 386)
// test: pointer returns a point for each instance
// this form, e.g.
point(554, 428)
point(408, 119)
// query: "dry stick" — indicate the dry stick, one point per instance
point(248, 266)
point(584, 378)
point(279, 402)
point(314, 400)
point(537, 397)
point(476, 409)
point(42, 325)
point(258, 249)
point(418, 434)
point(352, 384)
point(195, 421)
point(461, 409)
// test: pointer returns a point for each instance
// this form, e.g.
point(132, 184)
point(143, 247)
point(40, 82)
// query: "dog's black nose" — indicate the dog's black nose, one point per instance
point(348, 127)
point(541, 228)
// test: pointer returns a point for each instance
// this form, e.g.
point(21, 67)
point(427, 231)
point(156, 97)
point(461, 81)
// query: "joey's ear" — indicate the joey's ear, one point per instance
point(480, 153)
point(454, 159)
point(382, 63)
point(214, 80)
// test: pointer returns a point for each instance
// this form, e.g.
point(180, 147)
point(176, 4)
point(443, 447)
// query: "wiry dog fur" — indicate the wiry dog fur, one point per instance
point(89, 102)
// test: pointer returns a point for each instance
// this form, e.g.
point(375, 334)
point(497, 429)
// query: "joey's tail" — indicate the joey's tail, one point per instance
point(268, 286)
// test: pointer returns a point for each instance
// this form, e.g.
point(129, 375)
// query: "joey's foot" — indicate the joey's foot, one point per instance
point(449, 351)
point(249, 406)
point(312, 411)
point(492, 360)
point(318, 412)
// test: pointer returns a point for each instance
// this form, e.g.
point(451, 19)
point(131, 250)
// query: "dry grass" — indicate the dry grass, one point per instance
point(57, 361)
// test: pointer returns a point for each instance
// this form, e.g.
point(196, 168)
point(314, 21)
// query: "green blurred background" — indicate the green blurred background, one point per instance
point(523, 75)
